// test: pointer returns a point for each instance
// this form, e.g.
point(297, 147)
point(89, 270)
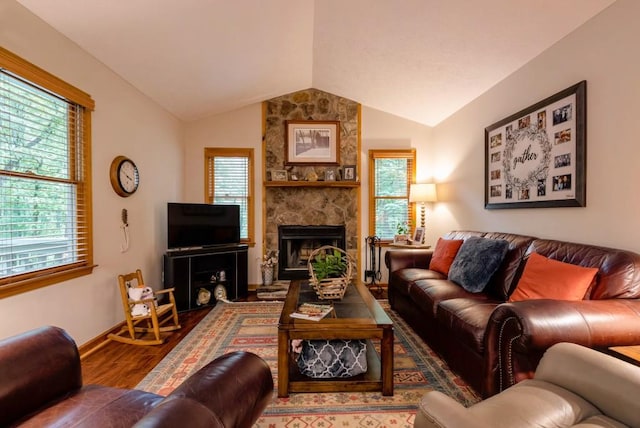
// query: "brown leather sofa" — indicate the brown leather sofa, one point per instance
point(41, 385)
point(493, 344)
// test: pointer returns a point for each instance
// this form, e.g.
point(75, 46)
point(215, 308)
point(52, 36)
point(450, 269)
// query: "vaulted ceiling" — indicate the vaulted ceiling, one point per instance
point(418, 59)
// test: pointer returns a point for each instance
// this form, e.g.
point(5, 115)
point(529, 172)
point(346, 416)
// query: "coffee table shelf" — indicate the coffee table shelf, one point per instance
point(357, 316)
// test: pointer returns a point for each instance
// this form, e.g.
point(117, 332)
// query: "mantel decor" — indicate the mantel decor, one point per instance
point(536, 158)
point(312, 142)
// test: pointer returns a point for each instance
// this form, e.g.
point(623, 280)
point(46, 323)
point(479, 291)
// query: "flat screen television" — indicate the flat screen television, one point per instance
point(202, 225)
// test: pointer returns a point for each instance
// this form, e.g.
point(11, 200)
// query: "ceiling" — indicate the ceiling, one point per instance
point(418, 59)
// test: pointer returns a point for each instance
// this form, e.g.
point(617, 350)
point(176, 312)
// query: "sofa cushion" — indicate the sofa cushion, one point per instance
point(544, 278)
point(466, 319)
point(402, 280)
point(428, 293)
point(476, 262)
point(444, 254)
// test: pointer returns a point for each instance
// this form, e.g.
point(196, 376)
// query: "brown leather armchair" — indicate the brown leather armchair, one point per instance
point(42, 386)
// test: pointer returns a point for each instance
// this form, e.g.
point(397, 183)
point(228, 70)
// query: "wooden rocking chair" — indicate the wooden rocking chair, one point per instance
point(153, 321)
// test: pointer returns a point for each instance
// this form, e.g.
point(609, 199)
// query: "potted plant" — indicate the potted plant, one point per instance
point(330, 271)
point(402, 233)
point(269, 261)
point(329, 264)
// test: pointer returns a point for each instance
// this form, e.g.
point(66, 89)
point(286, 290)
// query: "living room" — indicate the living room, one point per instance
point(169, 155)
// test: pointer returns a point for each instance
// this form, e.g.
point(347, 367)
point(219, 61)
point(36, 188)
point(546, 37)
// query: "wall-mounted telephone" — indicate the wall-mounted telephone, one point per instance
point(125, 231)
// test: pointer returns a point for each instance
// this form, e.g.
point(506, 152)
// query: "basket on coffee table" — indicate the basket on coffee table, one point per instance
point(330, 288)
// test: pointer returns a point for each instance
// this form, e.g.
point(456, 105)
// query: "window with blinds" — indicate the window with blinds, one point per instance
point(45, 226)
point(230, 181)
point(391, 172)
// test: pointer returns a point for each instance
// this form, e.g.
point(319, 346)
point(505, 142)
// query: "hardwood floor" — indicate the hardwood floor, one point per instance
point(124, 366)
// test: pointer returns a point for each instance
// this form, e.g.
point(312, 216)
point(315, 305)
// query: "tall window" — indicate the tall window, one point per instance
point(229, 180)
point(390, 174)
point(45, 193)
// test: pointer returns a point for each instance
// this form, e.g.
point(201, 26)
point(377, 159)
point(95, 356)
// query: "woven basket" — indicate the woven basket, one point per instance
point(330, 288)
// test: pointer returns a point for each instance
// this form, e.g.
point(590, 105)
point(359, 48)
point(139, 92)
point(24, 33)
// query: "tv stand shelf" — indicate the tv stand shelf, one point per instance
point(192, 271)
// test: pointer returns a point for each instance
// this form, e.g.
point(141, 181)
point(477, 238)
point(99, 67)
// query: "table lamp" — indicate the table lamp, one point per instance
point(422, 193)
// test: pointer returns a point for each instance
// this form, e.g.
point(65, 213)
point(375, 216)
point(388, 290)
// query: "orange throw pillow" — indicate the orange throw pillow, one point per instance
point(544, 278)
point(443, 255)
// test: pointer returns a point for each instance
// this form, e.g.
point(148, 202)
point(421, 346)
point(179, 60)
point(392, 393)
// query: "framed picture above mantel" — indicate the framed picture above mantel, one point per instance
point(312, 142)
point(536, 158)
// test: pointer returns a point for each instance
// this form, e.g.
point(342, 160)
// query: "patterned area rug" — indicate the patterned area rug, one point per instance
point(253, 327)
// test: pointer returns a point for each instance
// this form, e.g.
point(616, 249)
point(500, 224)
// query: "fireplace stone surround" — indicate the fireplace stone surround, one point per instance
point(316, 204)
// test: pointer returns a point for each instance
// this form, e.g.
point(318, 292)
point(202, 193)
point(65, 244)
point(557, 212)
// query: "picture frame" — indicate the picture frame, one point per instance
point(312, 142)
point(349, 173)
point(279, 175)
point(418, 235)
point(536, 158)
point(330, 174)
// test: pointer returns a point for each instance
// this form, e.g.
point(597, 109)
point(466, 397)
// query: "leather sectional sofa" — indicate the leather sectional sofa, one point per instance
point(41, 385)
point(493, 343)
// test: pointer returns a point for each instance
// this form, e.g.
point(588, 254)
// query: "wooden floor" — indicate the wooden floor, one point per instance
point(124, 366)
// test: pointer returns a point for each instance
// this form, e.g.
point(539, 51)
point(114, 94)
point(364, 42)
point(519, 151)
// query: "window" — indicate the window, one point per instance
point(45, 193)
point(229, 180)
point(390, 174)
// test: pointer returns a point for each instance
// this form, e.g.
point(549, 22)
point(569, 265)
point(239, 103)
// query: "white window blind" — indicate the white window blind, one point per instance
point(392, 174)
point(43, 214)
point(228, 183)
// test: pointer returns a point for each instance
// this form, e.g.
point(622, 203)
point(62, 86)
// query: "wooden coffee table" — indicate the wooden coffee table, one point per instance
point(357, 316)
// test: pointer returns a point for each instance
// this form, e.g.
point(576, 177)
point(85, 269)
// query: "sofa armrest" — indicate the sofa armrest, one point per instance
point(437, 410)
point(175, 412)
point(397, 259)
point(519, 333)
point(36, 368)
point(236, 387)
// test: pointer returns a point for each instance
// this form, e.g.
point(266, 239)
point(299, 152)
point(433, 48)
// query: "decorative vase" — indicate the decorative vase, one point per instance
point(267, 275)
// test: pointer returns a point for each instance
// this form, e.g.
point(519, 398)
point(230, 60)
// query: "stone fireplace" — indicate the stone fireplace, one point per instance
point(318, 203)
point(296, 243)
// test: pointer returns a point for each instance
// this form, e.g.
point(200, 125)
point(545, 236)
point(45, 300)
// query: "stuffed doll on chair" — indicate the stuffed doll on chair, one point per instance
point(136, 294)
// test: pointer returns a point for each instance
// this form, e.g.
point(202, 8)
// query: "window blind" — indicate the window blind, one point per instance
point(43, 211)
point(228, 182)
point(391, 174)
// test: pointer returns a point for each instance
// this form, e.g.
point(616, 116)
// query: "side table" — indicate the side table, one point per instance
point(630, 354)
point(411, 246)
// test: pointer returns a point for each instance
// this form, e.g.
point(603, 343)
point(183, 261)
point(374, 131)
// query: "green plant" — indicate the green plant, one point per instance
point(329, 265)
point(402, 228)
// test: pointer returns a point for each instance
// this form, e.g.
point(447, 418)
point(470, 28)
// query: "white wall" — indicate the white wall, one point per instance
point(604, 52)
point(241, 129)
point(381, 130)
point(124, 122)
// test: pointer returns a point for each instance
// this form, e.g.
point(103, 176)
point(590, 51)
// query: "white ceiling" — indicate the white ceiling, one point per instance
point(418, 59)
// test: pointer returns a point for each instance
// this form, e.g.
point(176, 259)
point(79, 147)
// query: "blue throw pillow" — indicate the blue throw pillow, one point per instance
point(476, 262)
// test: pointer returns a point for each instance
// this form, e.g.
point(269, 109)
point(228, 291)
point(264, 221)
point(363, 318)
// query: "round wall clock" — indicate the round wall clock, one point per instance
point(124, 176)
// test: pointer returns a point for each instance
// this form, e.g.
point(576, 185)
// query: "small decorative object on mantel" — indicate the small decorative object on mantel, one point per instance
point(330, 271)
point(349, 173)
point(279, 175)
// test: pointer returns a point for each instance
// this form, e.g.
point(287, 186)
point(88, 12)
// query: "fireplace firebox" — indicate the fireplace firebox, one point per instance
point(296, 242)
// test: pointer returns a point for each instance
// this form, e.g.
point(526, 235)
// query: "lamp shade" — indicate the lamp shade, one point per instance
point(423, 192)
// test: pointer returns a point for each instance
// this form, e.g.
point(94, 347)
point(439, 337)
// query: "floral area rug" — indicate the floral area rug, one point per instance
point(252, 326)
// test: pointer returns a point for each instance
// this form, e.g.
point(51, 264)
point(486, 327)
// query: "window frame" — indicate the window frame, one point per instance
point(209, 184)
point(33, 74)
point(375, 154)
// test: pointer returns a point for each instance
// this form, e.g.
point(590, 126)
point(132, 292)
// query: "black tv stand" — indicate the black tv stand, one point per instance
point(192, 270)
